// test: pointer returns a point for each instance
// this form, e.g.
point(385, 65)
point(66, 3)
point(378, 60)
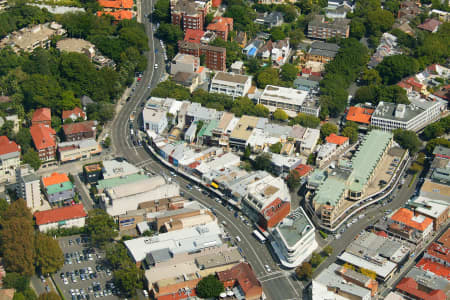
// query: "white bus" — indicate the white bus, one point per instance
point(259, 236)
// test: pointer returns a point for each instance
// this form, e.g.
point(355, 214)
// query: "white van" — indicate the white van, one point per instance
point(238, 238)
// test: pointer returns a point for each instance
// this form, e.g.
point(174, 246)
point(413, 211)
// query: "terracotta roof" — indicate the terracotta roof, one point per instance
point(127, 4)
point(359, 114)
point(220, 24)
point(404, 85)
point(193, 35)
point(243, 274)
point(42, 114)
point(7, 146)
point(413, 82)
point(7, 294)
point(445, 239)
point(178, 296)
point(336, 139)
point(55, 178)
point(42, 136)
point(76, 111)
point(381, 233)
point(405, 216)
point(303, 169)
point(73, 128)
point(430, 25)
point(118, 14)
point(60, 214)
point(434, 267)
point(439, 251)
point(411, 287)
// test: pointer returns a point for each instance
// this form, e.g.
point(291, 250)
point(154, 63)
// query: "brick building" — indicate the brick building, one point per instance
point(44, 141)
point(221, 26)
point(42, 116)
point(318, 28)
point(188, 14)
point(215, 57)
point(272, 214)
point(79, 131)
point(243, 276)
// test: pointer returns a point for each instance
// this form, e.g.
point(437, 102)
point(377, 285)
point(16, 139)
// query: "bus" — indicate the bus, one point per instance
point(259, 236)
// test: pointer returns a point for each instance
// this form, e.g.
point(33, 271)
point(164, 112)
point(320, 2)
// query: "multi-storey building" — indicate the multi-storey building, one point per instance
point(58, 187)
point(318, 28)
point(79, 131)
point(188, 14)
point(9, 158)
point(322, 52)
point(234, 85)
point(28, 187)
point(215, 57)
point(42, 116)
point(44, 141)
point(61, 217)
point(221, 26)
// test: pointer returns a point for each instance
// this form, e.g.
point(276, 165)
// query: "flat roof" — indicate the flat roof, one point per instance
point(285, 95)
point(231, 77)
point(244, 127)
point(115, 168)
point(429, 207)
point(136, 187)
point(60, 187)
point(402, 112)
point(383, 270)
point(116, 181)
point(295, 227)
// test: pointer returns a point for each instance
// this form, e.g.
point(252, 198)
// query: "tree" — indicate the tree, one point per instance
point(101, 227)
point(351, 131)
point(161, 12)
point(311, 159)
point(247, 152)
point(23, 138)
point(276, 148)
point(267, 76)
point(277, 34)
point(407, 139)
point(260, 110)
point(289, 72)
point(128, 278)
point(7, 129)
point(31, 157)
point(263, 161)
point(280, 115)
point(349, 266)
point(209, 287)
point(49, 296)
point(3, 206)
point(436, 142)
point(328, 250)
point(49, 257)
point(304, 272)
point(169, 33)
point(327, 129)
point(433, 131)
point(293, 180)
point(16, 281)
point(316, 259)
point(357, 28)
point(107, 142)
point(370, 76)
point(296, 37)
point(379, 20)
point(395, 67)
point(305, 121)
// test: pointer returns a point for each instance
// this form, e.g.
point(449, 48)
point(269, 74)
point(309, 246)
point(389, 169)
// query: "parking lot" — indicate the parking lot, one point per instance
point(83, 275)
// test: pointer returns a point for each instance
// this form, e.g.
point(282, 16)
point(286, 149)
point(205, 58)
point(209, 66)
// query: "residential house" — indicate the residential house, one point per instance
point(221, 26)
point(318, 28)
point(80, 131)
point(430, 25)
point(58, 187)
point(360, 115)
point(9, 158)
point(280, 52)
point(44, 141)
point(270, 20)
point(241, 38)
point(237, 67)
point(118, 15)
point(243, 277)
point(189, 80)
point(74, 114)
point(337, 12)
point(408, 10)
point(388, 46)
point(322, 52)
point(42, 116)
point(61, 217)
point(231, 84)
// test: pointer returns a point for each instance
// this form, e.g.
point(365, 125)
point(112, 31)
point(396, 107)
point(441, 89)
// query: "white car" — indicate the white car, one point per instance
point(267, 268)
point(65, 281)
point(145, 293)
point(156, 66)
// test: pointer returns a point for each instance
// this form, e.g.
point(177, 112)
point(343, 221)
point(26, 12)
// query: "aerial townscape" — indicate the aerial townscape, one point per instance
point(225, 149)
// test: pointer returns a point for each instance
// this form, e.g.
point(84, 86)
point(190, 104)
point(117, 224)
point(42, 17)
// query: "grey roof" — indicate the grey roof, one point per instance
point(429, 279)
point(85, 100)
point(324, 49)
point(158, 256)
point(230, 77)
point(300, 81)
point(319, 21)
point(441, 150)
point(184, 77)
point(273, 17)
point(30, 178)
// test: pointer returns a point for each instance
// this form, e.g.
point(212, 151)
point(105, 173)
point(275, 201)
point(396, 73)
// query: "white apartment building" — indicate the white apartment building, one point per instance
point(294, 239)
point(184, 63)
point(290, 100)
point(28, 187)
point(9, 158)
point(154, 119)
point(415, 116)
point(234, 85)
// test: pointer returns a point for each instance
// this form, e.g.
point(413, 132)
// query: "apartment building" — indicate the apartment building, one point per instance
point(9, 158)
point(42, 116)
point(221, 26)
point(61, 217)
point(319, 28)
point(44, 141)
point(80, 131)
point(188, 14)
point(28, 186)
point(184, 63)
point(58, 187)
point(404, 223)
point(234, 85)
point(322, 52)
point(215, 57)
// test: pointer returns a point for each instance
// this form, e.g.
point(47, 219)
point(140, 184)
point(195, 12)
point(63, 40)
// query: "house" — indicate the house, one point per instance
point(337, 12)
point(235, 85)
point(237, 67)
point(188, 14)
point(80, 131)
point(388, 46)
point(62, 217)
point(273, 19)
point(189, 80)
point(408, 10)
point(74, 114)
point(42, 116)
point(280, 52)
point(242, 276)
point(253, 48)
point(359, 115)
point(430, 25)
point(28, 186)
point(322, 52)
point(9, 158)
point(113, 5)
point(118, 15)
point(58, 187)
point(221, 26)
point(318, 28)
point(215, 57)
point(241, 38)
point(340, 141)
point(44, 141)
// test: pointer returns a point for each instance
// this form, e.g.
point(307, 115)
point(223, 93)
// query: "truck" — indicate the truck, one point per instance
point(259, 236)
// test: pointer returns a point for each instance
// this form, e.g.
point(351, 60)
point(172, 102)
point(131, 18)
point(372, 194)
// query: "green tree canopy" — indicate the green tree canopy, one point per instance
point(31, 157)
point(16, 281)
point(161, 12)
point(277, 33)
point(101, 227)
point(393, 68)
point(289, 72)
point(267, 76)
point(305, 121)
point(351, 132)
point(49, 256)
point(263, 161)
point(293, 180)
point(209, 287)
point(304, 271)
point(280, 115)
point(276, 148)
point(379, 20)
point(327, 129)
point(49, 296)
point(407, 139)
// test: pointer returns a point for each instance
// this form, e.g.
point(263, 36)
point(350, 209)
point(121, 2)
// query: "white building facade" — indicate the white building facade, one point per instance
point(234, 85)
point(154, 119)
point(28, 187)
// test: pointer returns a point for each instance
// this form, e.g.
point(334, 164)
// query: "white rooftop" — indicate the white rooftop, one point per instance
point(115, 168)
point(382, 270)
point(282, 94)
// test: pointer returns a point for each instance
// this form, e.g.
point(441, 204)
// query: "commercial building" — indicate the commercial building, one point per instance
point(407, 225)
point(215, 57)
point(290, 100)
point(414, 116)
point(42, 116)
point(322, 52)
point(242, 131)
point(30, 38)
point(92, 172)
point(414, 290)
point(9, 158)
point(318, 28)
point(234, 85)
point(424, 284)
point(437, 210)
point(243, 282)
point(221, 26)
point(78, 150)
point(74, 114)
point(294, 239)
point(188, 14)
point(62, 217)
point(57, 187)
point(28, 187)
point(118, 168)
point(435, 190)
point(154, 119)
point(350, 180)
point(176, 242)
point(80, 130)
point(338, 283)
point(44, 141)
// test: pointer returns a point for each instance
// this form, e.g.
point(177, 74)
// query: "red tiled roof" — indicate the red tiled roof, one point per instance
point(127, 4)
point(60, 214)
point(381, 233)
point(413, 82)
point(404, 216)
point(118, 14)
point(177, 296)
point(243, 274)
point(42, 114)
point(336, 139)
point(439, 251)
point(430, 25)
point(220, 24)
point(7, 146)
point(404, 85)
point(73, 128)
point(303, 169)
point(193, 36)
point(359, 114)
point(434, 267)
point(411, 287)
point(445, 239)
point(42, 136)
point(55, 178)
point(270, 210)
point(76, 111)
